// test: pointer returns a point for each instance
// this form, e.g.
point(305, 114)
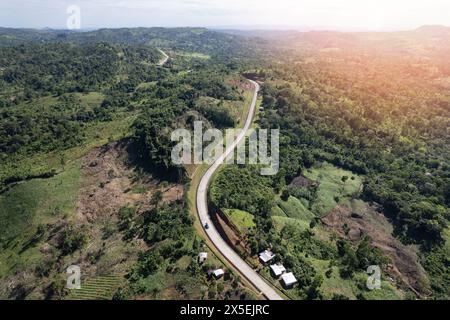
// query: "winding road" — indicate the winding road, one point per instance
point(202, 208)
point(164, 59)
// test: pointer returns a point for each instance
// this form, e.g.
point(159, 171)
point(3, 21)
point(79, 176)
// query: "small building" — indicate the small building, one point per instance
point(218, 273)
point(288, 280)
point(277, 270)
point(266, 256)
point(202, 256)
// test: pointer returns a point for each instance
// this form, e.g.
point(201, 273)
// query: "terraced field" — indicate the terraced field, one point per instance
point(100, 288)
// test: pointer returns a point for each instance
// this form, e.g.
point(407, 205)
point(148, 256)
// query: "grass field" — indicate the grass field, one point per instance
point(38, 198)
point(28, 204)
point(291, 212)
point(280, 222)
point(331, 187)
point(295, 208)
point(194, 55)
point(335, 284)
point(243, 220)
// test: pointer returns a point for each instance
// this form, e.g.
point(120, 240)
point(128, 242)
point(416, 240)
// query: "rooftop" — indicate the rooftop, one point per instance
point(218, 273)
point(266, 256)
point(288, 279)
point(202, 256)
point(278, 269)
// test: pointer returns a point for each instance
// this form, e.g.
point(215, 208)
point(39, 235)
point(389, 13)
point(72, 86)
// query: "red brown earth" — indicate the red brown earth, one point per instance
point(405, 267)
point(108, 182)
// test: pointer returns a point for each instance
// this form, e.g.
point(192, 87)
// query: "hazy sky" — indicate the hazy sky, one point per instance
point(332, 14)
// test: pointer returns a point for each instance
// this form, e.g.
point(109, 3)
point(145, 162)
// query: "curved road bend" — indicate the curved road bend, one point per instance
point(164, 59)
point(213, 234)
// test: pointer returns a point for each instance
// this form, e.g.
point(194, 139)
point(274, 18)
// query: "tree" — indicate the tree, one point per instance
point(313, 291)
point(157, 198)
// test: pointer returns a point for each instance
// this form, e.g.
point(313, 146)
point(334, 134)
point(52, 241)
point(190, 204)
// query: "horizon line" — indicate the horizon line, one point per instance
point(249, 28)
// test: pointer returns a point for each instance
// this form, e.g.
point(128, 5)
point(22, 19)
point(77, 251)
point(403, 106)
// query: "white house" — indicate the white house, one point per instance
point(277, 270)
point(288, 280)
point(202, 256)
point(266, 256)
point(218, 273)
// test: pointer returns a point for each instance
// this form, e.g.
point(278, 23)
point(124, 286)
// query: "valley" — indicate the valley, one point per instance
point(86, 176)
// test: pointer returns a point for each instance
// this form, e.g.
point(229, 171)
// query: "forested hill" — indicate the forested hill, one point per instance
point(364, 151)
point(44, 72)
point(85, 126)
point(182, 39)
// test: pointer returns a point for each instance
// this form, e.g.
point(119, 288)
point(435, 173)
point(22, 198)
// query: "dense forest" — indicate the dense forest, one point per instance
point(379, 111)
point(85, 122)
point(364, 151)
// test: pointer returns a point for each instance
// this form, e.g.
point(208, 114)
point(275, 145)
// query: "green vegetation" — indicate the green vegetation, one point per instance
point(100, 288)
point(171, 262)
point(364, 122)
point(244, 221)
point(244, 189)
point(26, 205)
point(333, 184)
point(66, 94)
point(353, 117)
point(28, 211)
point(294, 208)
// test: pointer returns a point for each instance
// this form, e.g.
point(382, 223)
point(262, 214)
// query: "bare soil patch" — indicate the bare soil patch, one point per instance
point(109, 183)
point(353, 225)
point(302, 182)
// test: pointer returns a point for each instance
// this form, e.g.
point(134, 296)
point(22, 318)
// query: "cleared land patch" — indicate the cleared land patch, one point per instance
point(335, 184)
point(243, 220)
point(368, 220)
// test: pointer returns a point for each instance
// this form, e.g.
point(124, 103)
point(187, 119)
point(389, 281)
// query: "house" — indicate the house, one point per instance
point(288, 280)
point(277, 270)
point(266, 256)
point(202, 256)
point(218, 273)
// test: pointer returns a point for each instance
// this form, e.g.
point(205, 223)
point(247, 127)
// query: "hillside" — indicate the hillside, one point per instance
point(85, 177)
point(364, 158)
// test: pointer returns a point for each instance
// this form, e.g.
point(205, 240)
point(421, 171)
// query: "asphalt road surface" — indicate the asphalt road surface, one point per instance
point(213, 234)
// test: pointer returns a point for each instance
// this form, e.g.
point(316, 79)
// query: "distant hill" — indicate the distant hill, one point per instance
point(434, 29)
point(180, 39)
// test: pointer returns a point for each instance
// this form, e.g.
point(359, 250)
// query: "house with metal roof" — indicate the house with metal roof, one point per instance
point(218, 273)
point(277, 270)
point(266, 256)
point(202, 256)
point(288, 280)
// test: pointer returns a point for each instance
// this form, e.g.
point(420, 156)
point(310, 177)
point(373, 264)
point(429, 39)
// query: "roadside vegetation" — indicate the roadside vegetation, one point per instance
point(363, 176)
point(86, 176)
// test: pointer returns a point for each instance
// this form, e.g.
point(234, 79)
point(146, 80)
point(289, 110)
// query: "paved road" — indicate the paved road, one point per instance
point(164, 59)
point(213, 234)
